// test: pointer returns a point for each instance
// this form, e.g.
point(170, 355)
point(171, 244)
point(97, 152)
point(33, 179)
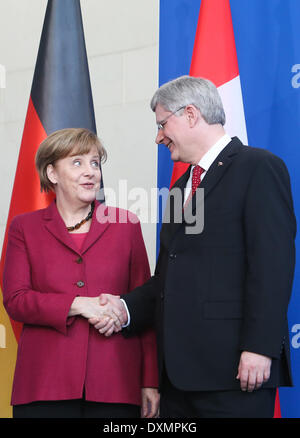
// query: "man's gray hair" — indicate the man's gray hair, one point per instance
point(187, 90)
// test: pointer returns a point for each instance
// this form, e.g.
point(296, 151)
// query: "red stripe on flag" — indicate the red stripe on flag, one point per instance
point(214, 47)
point(277, 410)
point(214, 54)
point(26, 194)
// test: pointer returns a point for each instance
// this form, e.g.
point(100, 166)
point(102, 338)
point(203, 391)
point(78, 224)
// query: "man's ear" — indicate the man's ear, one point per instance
point(51, 174)
point(193, 115)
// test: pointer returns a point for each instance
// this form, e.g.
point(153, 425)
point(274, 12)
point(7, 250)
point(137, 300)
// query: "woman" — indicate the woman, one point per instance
point(58, 262)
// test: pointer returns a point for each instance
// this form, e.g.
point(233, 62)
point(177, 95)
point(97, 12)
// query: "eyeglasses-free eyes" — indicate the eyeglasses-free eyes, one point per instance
point(161, 124)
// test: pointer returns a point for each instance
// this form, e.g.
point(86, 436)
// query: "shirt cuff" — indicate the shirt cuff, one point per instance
point(128, 314)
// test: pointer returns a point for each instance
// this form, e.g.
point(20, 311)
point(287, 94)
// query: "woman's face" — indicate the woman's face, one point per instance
point(76, 178)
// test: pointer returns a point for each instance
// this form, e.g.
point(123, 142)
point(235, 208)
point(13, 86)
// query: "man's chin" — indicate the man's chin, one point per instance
point(174, 157)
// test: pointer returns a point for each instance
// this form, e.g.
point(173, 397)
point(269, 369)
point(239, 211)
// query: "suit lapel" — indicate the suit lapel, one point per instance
point(173, 210)
point(220, 166)
point(103, 216)
point(55, 225)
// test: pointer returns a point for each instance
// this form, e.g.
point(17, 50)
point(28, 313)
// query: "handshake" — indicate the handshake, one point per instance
point(107, 313)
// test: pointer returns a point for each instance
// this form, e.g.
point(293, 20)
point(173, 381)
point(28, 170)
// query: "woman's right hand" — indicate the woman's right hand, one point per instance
point(90, 308)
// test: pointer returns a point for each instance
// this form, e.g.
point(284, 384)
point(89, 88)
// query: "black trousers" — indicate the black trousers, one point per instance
point(175, 403)
point(80, 408)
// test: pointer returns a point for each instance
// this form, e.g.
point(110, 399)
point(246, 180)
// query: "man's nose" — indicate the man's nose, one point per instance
point(159, 136)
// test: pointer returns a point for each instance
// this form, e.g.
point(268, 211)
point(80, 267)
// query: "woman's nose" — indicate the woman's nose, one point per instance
point(89, 169)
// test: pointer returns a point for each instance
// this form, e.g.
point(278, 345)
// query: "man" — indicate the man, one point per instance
point(219, 297)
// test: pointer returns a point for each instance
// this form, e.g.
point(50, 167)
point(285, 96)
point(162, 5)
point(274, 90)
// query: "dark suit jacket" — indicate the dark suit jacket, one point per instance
point(227, 289)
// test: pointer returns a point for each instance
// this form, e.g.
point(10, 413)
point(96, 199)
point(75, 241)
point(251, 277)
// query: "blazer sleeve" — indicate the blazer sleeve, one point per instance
point(22, 302)
point(270, 229)
point(141, 303)
point(139, 274)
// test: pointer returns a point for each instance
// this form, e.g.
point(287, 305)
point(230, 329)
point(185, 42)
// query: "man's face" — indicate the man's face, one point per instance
point(173, 132)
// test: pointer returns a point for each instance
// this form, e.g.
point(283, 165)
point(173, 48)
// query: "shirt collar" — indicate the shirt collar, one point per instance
point(210, 156)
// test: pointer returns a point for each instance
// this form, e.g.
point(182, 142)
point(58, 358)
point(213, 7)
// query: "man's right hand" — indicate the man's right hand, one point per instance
point(108, 327)
point(96, 311)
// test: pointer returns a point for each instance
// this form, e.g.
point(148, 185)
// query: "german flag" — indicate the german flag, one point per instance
point(60, 98)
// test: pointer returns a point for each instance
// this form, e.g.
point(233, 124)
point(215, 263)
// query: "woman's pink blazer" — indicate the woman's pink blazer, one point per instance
point(44, 271)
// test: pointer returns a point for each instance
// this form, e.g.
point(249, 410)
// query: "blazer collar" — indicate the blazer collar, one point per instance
point(214, 174)
point(55, 225)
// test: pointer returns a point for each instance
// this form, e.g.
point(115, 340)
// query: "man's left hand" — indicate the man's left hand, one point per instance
point(150, 403)
point(254, 370)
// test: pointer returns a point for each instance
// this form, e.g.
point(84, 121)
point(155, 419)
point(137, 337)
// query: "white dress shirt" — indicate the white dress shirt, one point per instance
point(206, 161)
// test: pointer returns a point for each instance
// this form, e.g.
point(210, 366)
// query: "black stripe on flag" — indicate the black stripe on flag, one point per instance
point(61, 89)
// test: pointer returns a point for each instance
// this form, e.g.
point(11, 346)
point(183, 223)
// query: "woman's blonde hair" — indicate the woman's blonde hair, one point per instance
point(61, 144)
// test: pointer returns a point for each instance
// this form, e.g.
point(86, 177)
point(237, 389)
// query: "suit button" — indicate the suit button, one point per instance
point(162, 296)
point(80, 283)
point(79, 260)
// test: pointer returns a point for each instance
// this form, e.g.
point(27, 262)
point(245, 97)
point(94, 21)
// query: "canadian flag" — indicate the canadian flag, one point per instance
point(214, 58)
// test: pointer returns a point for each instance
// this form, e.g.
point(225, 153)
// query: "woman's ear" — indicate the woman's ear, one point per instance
point(51, 174)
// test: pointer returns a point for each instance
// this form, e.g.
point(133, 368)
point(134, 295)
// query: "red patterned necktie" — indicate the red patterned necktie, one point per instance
point(196, 177)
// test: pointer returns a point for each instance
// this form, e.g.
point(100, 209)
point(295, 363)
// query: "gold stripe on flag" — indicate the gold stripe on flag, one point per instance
point(8, 354)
